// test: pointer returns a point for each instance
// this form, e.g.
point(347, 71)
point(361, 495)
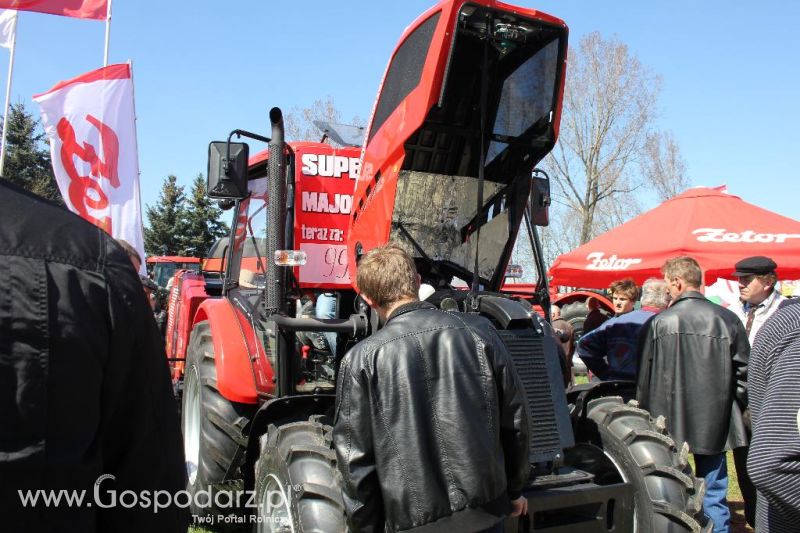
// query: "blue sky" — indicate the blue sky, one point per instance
point(731, 79)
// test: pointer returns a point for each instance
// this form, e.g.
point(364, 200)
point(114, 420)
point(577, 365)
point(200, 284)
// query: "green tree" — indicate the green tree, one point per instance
point(203, 225)
point(27, 161)
point(167, 226)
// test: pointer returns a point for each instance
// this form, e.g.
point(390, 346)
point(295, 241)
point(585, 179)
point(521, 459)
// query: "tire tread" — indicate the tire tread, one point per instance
point(630, 426)
point(318, 506)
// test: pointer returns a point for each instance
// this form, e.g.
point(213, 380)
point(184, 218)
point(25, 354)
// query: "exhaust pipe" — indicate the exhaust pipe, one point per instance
point(276, 276)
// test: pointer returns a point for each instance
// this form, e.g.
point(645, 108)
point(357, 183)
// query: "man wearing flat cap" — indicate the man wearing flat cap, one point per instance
point(758, 300)
point(757, 294)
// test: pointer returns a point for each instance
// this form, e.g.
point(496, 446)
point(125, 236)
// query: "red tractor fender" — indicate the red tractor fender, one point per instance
point(575, 296)
point(235, 379)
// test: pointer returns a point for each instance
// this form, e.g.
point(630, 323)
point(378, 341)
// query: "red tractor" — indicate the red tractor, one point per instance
point(469, 104)
point(324, 180)
point(163, 267)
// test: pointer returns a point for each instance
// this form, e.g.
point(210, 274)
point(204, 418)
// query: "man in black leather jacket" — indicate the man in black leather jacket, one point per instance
point(85, 393)
point(431, 428)
point(693, 371)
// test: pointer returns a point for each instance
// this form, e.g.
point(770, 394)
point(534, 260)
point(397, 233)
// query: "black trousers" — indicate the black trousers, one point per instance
point(746, 486)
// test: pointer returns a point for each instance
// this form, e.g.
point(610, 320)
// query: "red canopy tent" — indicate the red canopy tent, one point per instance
point(715, 228)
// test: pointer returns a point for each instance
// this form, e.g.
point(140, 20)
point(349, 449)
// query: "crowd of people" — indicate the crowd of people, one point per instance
point(85, 393)
point(693, 363)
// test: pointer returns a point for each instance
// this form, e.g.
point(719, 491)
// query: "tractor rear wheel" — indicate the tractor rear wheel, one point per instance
point(213, 427)
point(298, 487)
point(575, 314)
point(668, 498)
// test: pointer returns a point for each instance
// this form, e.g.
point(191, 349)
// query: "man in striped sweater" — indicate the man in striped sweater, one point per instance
point(774, 394)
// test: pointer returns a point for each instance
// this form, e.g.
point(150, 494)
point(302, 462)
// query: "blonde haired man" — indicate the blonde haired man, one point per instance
point(431, 424)
point(693, 371)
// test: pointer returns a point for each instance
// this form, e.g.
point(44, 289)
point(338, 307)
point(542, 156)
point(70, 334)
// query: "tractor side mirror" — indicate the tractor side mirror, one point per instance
point(227, 170)
point(540, 199)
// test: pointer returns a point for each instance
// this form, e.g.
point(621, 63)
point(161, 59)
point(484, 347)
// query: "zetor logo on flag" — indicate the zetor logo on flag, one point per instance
point(86, 193)
point(90, 123)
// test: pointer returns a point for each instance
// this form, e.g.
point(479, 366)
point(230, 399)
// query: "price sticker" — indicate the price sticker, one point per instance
point(326, 264)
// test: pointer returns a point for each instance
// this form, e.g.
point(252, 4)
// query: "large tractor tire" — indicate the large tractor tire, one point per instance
point(213, 426)
point(575, 314)
point(668, 498)
point(298, 487)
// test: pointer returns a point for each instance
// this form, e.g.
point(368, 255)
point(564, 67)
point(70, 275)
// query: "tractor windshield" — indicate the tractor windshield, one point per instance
point(526, 100)
point(435, 219)
point(162, 272)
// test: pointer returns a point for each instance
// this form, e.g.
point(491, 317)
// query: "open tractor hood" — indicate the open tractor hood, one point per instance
point(469, 104)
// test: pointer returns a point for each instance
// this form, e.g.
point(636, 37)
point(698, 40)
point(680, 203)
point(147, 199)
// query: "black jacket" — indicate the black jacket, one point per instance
point(693, 371)
point(84, 383)
point(431, 430)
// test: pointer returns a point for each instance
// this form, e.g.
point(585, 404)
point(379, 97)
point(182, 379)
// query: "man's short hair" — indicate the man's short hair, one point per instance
point(130, 250)
point(654, 293)
point(768, 279)
point(386, 275)
point(625, 287)
point(686, 268)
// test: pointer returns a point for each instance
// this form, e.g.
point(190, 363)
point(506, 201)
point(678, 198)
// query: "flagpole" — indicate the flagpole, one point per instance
point(8, 93)
point(108, 33)
point(136, 151)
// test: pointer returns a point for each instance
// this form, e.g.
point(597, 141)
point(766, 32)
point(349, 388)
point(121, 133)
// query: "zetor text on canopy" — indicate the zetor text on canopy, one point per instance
point(470, 102)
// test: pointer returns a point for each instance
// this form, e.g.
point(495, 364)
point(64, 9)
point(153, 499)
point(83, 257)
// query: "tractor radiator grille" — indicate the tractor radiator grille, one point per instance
point(527, 350)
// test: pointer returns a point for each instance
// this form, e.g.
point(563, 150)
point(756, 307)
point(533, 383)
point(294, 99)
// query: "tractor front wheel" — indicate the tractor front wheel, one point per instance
point(667, 496)
point(298, 487)
point(213, 427)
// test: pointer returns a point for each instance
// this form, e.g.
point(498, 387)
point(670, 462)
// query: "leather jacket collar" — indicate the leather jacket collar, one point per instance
point(695, 295)
point(410, 306)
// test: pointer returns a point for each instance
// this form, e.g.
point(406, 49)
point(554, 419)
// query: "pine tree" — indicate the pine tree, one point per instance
point(167, 227)
point(28, 161)
point(202, 220)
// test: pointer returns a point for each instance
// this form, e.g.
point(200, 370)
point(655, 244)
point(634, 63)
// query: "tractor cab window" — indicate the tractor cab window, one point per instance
point(526, 101)
point(250, 241)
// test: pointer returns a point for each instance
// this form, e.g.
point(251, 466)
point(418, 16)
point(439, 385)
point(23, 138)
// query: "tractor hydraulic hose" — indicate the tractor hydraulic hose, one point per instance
point(274, 297)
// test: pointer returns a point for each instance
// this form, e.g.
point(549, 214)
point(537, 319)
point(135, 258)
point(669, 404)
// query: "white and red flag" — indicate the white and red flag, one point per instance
point(82, 9)
point(91, 125)
point(8, 27)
